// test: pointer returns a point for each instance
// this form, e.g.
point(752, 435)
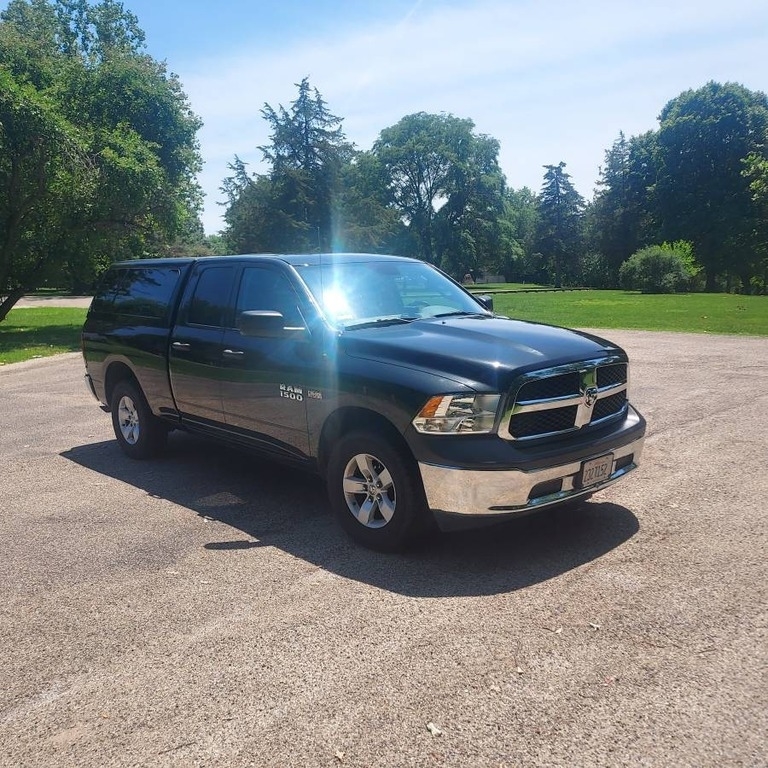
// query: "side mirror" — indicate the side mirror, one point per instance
point(261, 323)
point(487, 301)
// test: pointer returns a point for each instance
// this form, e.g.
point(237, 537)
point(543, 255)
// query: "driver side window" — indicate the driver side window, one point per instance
point(265, 289)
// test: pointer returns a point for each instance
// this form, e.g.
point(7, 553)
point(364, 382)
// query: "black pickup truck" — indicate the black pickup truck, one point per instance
point(405, 392)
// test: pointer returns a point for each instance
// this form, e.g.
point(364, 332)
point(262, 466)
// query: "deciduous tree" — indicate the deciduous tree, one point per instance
point(518, 225)
point(445, 182)
point(98, 149)
point(363, 218)
point(756, 172)
point(701, 193)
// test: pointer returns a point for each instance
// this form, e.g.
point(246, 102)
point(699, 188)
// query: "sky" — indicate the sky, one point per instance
point(553, 80)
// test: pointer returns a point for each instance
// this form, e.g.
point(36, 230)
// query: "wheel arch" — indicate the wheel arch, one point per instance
point(357, 419)
point(116, 372)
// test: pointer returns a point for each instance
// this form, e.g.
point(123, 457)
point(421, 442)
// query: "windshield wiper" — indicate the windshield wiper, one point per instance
point(462, 313)
point(380, 322)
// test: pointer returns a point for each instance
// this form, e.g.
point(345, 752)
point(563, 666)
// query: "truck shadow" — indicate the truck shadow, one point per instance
point(281, 507)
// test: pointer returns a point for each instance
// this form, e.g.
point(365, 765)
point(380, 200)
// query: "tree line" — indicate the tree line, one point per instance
point(99, 157)
point(688, 200)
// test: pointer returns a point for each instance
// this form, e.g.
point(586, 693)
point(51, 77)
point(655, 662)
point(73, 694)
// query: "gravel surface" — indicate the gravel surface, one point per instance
point(54, 301)
point(203, 609)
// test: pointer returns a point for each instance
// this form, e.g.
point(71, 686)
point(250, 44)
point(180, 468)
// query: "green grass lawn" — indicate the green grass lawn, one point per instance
point(39, 332)
point(689, 312)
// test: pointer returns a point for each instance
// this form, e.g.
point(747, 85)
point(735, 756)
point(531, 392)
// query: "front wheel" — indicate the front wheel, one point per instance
point(375, 492)
point(139, 432)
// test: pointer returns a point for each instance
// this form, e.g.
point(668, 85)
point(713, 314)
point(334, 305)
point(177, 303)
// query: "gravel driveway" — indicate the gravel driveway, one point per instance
point(54, 301)
point(203, 610)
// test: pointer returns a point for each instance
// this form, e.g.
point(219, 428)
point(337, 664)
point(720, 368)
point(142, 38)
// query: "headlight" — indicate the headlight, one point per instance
point(458, 414)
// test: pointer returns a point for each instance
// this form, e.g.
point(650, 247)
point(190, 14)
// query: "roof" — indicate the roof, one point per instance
point(310, 259)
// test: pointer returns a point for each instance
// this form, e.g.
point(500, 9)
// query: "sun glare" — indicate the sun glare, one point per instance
point(336, 303)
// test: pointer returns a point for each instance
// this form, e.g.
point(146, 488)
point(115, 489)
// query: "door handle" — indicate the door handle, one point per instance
point(233, 353)
point(180, 345)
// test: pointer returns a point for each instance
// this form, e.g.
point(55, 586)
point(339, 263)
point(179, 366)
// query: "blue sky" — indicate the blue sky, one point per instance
point(551, 80)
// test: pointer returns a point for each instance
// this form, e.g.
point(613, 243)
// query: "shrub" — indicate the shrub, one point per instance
point(659, 269)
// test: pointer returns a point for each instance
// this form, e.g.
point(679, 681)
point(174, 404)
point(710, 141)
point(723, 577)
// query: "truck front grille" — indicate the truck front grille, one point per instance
point(555, 401)
point(546, 422)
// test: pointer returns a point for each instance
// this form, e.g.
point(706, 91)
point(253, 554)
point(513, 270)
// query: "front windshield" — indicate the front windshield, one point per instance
point(359, 293)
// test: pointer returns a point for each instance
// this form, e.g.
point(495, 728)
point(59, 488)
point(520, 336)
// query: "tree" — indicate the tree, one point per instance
point(249, 215)
point(292, 208)
point(435, 162)
point(468, 232)
point(363, 219)
point(46, 177)
point(98, 145)
point(518, 224)
point(702, 194)
point(621, 217)
point(561, 210)
point(756, 172)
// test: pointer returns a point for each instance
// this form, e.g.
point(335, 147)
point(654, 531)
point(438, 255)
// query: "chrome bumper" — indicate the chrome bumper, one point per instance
point(455, 491)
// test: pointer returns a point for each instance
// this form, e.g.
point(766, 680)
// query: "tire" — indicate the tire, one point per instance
point(140, 434)
point(376, 493)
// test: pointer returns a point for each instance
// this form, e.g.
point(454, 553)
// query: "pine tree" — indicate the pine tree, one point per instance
point(561, 210)
point(307, 155)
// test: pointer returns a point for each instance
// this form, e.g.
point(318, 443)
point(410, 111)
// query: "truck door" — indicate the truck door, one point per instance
point(195, 356)
point(265, 383)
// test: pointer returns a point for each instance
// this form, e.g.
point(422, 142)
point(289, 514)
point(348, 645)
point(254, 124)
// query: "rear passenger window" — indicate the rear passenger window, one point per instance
point(141, 292)
point(211, 297)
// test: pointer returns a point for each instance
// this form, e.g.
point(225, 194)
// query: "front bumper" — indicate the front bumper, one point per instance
point(511, 492)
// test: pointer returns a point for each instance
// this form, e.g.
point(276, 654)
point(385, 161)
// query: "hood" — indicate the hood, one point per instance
point(477, 351)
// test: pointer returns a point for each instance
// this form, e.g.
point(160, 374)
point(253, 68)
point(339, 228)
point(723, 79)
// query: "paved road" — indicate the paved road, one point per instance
point(204, 610)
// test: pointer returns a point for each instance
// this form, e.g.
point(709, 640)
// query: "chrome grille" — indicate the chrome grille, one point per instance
point(565, 399)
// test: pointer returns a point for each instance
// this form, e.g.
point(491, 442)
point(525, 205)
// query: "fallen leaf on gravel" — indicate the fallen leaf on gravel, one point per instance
point(593, 625)
point(434, 730)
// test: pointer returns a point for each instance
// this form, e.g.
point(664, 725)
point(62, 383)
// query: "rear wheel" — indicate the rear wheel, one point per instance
point(375, 492)
point(139, 432)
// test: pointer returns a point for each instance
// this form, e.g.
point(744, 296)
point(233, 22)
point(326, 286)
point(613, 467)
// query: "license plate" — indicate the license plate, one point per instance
point(595, 470)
